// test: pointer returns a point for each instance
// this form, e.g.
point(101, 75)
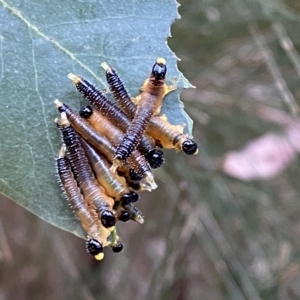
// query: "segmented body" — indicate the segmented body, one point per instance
point(149, 104)
point(119, 91)
point(133, 167)
point(89, 221)
point(169, 136)
point(135, 131)
point(114, 185)
point(108, 109)
point(103, 126)
point(87, 132)
point(93, 195)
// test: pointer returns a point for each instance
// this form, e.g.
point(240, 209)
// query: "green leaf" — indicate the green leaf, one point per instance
point(40, 43)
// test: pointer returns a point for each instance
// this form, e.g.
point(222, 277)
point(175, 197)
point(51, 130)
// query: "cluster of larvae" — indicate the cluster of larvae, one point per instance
point(108, 152)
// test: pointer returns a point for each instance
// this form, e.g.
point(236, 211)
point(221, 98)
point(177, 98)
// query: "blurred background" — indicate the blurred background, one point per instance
point(223, 224)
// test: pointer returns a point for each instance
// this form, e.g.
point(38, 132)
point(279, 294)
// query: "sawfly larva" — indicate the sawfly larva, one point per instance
point(97, 234)
point(119, 90)
point(99, 142)
point(114, 185)
point(148, 104)
point(103, 126)
point(117, 117)
point(169, 136)
point(92, 192)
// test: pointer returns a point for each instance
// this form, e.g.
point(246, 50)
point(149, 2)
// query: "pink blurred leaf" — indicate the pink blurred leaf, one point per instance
point(265, 157)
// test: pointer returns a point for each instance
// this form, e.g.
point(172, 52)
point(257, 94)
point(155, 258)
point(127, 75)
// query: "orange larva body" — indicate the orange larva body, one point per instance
point(114, 185)
point(86, 131)
point(90, 223)
point(95, 195)
point(169, 136)
point(92, 192)
point(117, 117)
point(98, 141)
point(103, 126)
point(149, 104)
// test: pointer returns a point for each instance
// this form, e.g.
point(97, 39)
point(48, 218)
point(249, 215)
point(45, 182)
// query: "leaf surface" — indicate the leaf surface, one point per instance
point(40, 43)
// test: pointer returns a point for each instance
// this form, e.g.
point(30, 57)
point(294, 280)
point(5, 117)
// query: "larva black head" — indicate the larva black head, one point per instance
point(86, 111)
point(155, 158)
point(135, 176)
point(124, 216)
point(159, 69)
point(130, 197)
point(189, 147)
point(94, 248)
point(108, 219)
point(117, 248)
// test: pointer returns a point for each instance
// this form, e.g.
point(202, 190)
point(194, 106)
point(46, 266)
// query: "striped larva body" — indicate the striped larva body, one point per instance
point(117, 117)
point(92, 192)
point(148, 104)
point(86, 131)
point(134, 167)
point(102, 125)
point(97, 234)
point(114, 185)
point(119, 90)
point(169, 136)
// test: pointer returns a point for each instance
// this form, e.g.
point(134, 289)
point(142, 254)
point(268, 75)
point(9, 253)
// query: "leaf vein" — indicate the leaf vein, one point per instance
point(39, 95)
point(1, 59)
point(34, 28)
